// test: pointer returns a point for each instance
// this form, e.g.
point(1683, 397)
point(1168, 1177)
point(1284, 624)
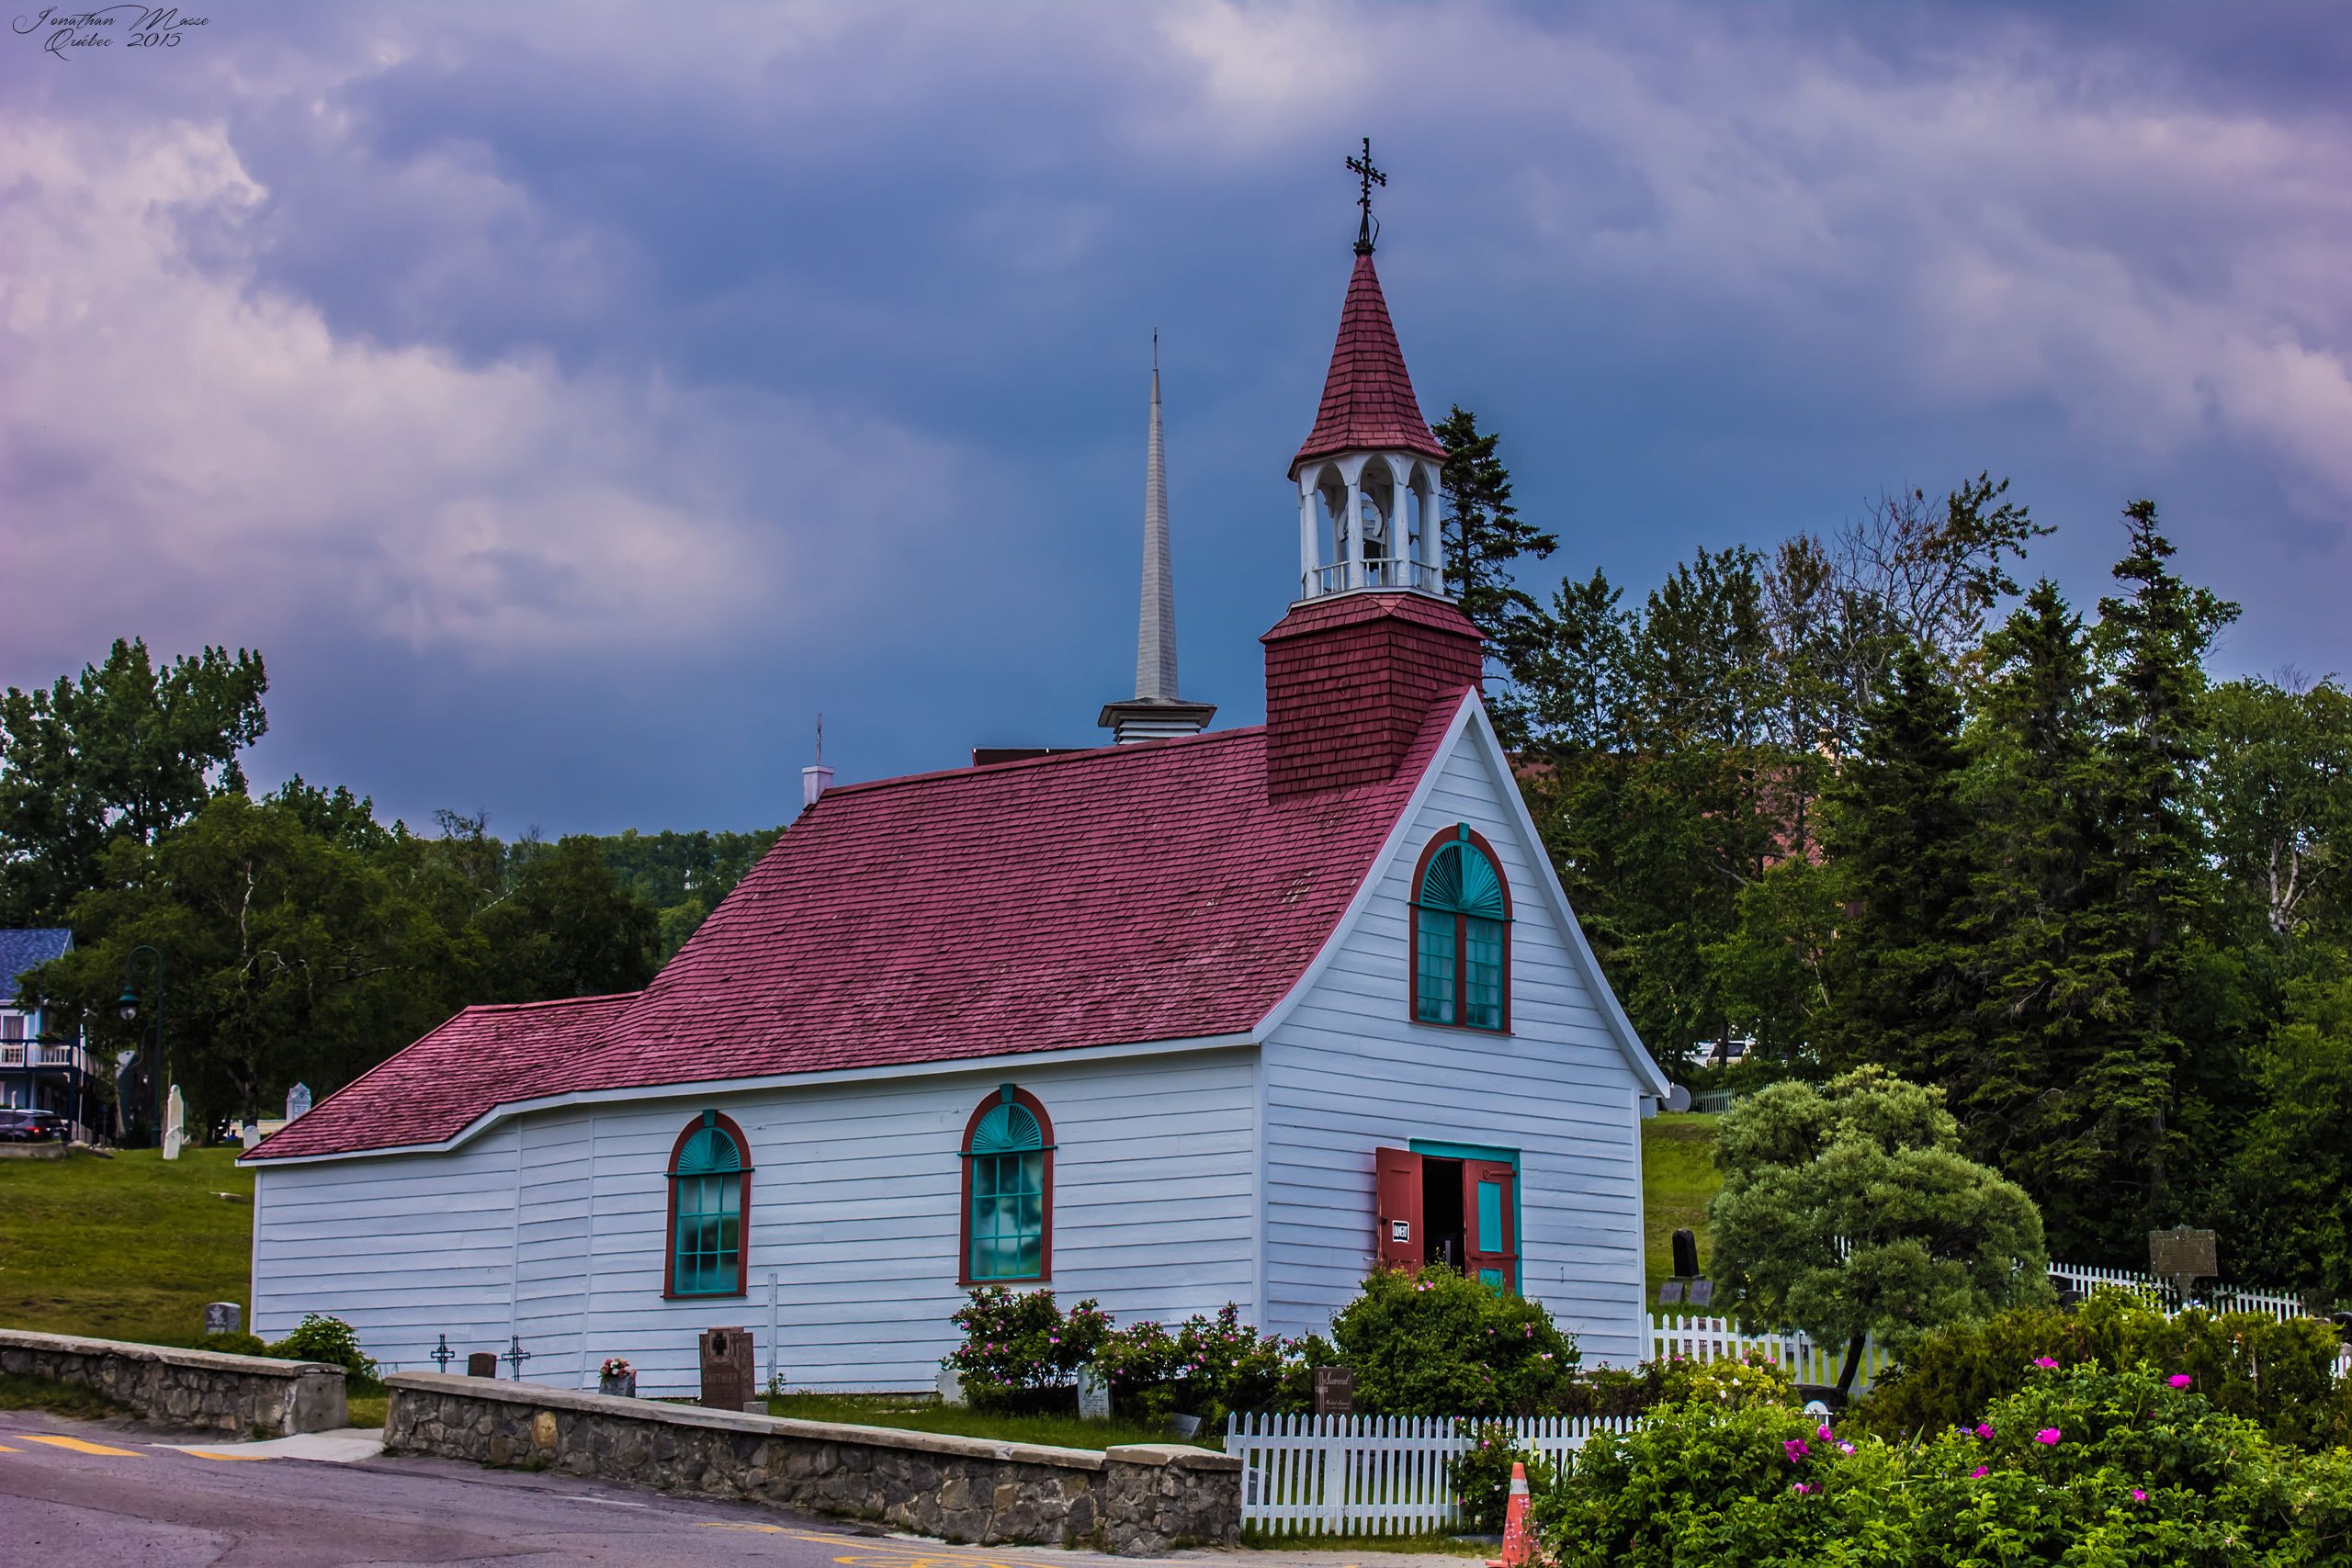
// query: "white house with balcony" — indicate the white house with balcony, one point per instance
point(37, 1073)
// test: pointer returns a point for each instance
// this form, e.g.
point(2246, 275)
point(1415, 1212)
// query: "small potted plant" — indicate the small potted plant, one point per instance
point(618, 1378)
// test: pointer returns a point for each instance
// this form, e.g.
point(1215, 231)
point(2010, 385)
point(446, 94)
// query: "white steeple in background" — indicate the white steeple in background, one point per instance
point(1155, 636)
point(1155, 712)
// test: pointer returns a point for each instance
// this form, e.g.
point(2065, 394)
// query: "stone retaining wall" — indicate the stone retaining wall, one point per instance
point(250, 1396)
point(1139, 1500)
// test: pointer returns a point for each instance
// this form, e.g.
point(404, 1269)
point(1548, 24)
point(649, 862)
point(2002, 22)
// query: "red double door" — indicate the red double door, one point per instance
point(1433, 1208)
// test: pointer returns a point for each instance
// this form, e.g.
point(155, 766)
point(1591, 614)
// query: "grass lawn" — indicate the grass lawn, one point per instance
point(124, 1248)
point(919, 1414)
point(1678, 1176)
point(58, 1398)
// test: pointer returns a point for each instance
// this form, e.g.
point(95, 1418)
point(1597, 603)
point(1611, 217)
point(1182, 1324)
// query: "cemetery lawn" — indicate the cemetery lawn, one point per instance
point(918, 1413)
point(1678, 1176)
point(124, 1248)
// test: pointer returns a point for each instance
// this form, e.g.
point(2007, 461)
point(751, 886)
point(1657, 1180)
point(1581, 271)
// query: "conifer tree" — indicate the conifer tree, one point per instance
point(1898, 830)
point(1484, 535)
point(2154, 637)
point(2045, 959)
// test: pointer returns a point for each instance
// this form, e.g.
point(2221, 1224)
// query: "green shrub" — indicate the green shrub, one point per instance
point(2078, 1465)
point(2277, 1374)
point(1438, 1344)
point(1206, 1367)
point(1017, 1341)
point(318, 1337)
point(1481, 1476)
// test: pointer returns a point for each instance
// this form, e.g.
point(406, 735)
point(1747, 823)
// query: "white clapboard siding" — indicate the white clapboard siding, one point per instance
point(1347, 1073)
point(553, 1231)
point(1377, 1474)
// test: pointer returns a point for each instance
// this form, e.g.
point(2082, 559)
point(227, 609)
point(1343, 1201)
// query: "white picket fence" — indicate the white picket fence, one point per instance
point(1717, 1340)
point(2280, 1305)
point(1376, 1474)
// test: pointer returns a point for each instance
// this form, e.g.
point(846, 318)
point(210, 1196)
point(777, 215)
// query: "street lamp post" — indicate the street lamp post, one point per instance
point(131, 1002)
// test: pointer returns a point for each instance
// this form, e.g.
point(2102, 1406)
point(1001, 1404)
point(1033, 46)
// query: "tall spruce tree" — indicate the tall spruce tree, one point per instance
point(1899, 831)
point(1485, 535)
point(2046, 960)
point(2154, 636)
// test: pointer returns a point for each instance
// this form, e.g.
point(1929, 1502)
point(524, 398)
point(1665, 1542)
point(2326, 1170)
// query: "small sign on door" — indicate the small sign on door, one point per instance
point(1400, 1230)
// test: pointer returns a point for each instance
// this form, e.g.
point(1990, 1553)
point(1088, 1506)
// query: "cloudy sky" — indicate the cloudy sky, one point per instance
point(572, 402)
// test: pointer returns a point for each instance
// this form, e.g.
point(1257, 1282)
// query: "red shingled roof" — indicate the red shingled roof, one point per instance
point(1148, 892)
point(1367, 396)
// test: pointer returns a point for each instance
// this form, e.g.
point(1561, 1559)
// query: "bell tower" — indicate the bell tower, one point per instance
point(1373, 642)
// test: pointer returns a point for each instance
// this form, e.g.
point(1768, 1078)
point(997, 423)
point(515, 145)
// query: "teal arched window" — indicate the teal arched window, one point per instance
point(1461, 959)
point(1008, 1190)
point(710, 1194)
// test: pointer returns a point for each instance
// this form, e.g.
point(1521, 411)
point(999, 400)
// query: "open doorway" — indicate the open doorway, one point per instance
point(1459, 1207)
point(1441, 1211)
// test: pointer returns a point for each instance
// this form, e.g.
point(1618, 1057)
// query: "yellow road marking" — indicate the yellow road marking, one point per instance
point(5, 1449)
point(724, 1525)
point(243, 1459)
point(78, 1446)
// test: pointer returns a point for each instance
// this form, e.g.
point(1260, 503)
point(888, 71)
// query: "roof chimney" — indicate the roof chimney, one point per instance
point(817, 778)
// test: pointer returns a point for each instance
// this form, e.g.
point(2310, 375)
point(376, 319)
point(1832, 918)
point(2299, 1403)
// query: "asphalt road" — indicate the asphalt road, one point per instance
point(75, 1493)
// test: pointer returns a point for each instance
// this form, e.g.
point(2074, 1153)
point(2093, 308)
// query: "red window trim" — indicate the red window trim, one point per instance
point(725, 1123)
point(1036, 1108)
point(1455, 834)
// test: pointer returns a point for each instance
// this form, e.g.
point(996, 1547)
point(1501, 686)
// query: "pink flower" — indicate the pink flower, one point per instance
point(1984, 1430)
point(1845, 1448)
point(2045, 1362)
point(1796, 1451)
point(2139, 1495)
point(1825, 1434)
point(2047, 1437)
point(2180, 1379)
point(1802, 1490)
point(1979, 1472)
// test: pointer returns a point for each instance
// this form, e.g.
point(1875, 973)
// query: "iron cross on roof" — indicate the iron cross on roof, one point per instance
point(1372, 177)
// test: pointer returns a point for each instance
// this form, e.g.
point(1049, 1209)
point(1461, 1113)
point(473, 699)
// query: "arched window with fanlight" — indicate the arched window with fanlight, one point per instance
point(1008, 1157)
point(710, 1196)
point(1461, 958)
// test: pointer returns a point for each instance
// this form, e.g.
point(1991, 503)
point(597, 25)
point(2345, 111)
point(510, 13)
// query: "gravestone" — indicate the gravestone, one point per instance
point(249, 1134)
point(1702, 1292)
point(1669, 1292)
point(482, 1364)
point(223, 1317)
point(1093, 1395)
point(297, 1100)
point(1686, 1255)
point(174, 1130)
point(1335, 1390)
point(727, 1375)
point(951, 1386)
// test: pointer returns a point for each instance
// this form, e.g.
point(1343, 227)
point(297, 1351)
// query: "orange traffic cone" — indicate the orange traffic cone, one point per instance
point(1518, 1542)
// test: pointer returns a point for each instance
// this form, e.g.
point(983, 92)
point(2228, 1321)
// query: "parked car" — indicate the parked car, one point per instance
point(30, 1126)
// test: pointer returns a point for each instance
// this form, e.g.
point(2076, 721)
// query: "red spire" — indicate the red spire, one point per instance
point(1367, 398)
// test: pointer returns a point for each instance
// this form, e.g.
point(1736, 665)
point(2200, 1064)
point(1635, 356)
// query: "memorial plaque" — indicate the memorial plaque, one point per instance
point(2182, 1254)
point(1093, 1395)
point(727, 1376)
point(223, 1317)
point(1335, 1390)
point(482, 1364)
point(1702, 1292)
point(1669, 1292)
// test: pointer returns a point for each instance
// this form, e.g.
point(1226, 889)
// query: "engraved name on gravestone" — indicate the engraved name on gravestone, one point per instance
point(1335, 1390)
point(223, 1317)
point(725, 1369)
point(1093, 1395)
point(297, 1100)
